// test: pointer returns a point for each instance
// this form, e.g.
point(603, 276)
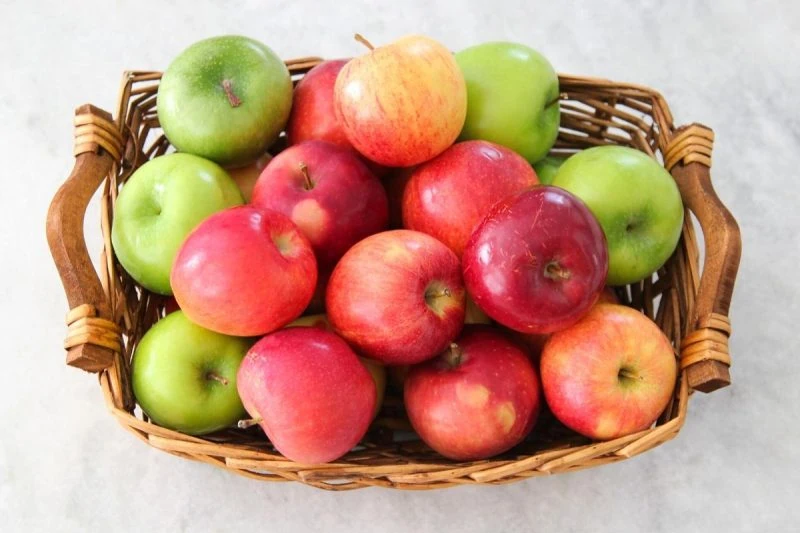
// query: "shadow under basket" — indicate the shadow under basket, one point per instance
point(110, 312)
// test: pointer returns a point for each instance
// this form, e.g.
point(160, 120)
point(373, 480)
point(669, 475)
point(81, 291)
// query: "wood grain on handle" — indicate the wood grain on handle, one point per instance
point(88, 347)
point(704, 351)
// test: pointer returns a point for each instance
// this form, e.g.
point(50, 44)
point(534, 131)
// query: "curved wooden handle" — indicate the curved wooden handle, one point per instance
point(93, 337)
point(704, 351)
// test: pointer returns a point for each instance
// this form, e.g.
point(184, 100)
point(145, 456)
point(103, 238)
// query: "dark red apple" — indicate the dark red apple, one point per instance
point(309, 392)
point(537, 262)
point(609, 375)
point(244, 271)
point(397, 297)
point(449, 195)
point(478, 399)
point(328, 192)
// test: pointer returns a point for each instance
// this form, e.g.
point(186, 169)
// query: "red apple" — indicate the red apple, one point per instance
point(376, 369)
point(244, 271)
point(478, 399)
point(537, 262)
point(397, 297)
point(403, 103)
point(328, 192)
point(309, 392)
point(449, 195)
point(609, 375)
point(313, 116)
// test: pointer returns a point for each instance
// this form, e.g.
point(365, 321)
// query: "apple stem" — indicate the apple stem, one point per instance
point(453, 355)
point(248, 422)
point(304, 169)
point(556, 272)
point(232, 98)
point(439, 294)
point(216, 377)
point(360, 38)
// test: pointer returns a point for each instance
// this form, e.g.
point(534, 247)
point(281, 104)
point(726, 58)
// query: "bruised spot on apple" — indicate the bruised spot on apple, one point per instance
point(506, 415)
point(472, 395)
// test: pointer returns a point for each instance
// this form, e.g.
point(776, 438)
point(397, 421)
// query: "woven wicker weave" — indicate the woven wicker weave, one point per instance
point(110, 313)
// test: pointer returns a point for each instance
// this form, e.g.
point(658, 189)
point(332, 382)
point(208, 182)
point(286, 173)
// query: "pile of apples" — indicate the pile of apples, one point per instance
point(411, 219)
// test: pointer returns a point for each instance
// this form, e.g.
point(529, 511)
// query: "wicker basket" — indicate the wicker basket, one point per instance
point(110, 312)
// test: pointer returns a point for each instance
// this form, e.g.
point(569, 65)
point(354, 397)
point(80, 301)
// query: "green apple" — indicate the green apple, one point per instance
point(157, 208)
point(547, 167)
point(512, 97)
point(184, 376)
point(225, 98)
point(636, 202)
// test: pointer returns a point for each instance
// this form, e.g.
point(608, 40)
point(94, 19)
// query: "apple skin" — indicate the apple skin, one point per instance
point(313, 116)
point(403, 103)
point(547, 167)
point(534, 342)
point(397, 297)
point(478, 399)
point(225, 98)
point(537, 262)
point(328, 192)
point(246, 176)
point(157, 208)
point(171, 376)
point(636, 202)
point(512, 97)
point(244, 271)
point(449, 195)
point(314, 398)
point(376, 369)
point(581, 370)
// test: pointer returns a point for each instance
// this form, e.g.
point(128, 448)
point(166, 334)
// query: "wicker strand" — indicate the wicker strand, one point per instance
point(693, 144)
point(92, 130)
point(708, 342)
point(85, 327)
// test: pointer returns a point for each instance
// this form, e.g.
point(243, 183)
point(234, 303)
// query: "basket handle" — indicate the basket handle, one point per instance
point(93, 337)
point(704, 351)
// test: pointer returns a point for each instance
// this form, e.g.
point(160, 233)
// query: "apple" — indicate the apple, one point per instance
point(225, 98)
point(184, 376)
point(547, 167)
point(246, 176)
point(395, 183)
point(512, 95)
point(376, 370)
point(537, 262)
point(309, 392)
point(328, 192)
point(609, 375)
point(397, 297)
point(403, 103)
point(637, 203)
point(313, 116)
point(449, 195)
point(157, 208)
point(478, 399)
point(244, 271)
point(534, 342)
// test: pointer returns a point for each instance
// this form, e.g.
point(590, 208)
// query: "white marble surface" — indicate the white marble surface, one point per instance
point(65, 464)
